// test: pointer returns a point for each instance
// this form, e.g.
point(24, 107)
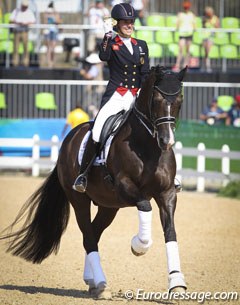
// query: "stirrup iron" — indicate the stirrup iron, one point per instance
point(80, 184)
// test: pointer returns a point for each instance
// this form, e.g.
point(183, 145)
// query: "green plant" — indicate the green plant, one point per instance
point(232, 190)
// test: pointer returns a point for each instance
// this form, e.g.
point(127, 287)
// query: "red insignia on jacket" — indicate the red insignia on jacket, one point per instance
point(115, 47)
point(134, 41)
point(118, 40)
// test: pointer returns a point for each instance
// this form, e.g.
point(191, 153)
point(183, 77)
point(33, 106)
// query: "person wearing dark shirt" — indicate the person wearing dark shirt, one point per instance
point(213, 114)
point(233, 115)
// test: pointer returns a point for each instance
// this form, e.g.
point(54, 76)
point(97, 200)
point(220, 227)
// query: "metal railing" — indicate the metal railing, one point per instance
point(20, 96)
point(81, 33)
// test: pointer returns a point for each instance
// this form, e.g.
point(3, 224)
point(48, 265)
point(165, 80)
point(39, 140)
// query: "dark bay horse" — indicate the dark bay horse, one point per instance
point(140, 166)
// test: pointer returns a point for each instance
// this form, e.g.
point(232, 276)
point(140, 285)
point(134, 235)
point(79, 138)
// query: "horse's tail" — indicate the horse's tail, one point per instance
point(47, 214)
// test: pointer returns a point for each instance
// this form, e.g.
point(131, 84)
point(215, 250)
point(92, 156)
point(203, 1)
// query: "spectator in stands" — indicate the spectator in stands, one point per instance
point(213, 114)
point(210, 21)
point(22, 18)
point(75, 117)
point(233, 115)
point(52, 18)
point(92, 67)
point(140, 9)
point(186, 24)
point(96, 15)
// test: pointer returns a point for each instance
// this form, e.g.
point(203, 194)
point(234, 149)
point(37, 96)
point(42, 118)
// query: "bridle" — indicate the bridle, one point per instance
point(150, 123)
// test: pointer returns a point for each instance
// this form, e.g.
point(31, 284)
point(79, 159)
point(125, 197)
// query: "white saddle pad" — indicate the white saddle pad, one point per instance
point(104, 153)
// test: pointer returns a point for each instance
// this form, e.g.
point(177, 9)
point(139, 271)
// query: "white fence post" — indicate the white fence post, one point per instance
point(54, 148)
point(225, 163)
point(35, 156)
point(178, 156)
point(201, 168)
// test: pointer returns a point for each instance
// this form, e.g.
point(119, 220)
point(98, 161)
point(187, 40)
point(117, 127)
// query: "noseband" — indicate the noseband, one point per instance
point(154, 123)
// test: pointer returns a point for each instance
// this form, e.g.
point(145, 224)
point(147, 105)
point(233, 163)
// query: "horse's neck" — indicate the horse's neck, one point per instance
point(142, 103)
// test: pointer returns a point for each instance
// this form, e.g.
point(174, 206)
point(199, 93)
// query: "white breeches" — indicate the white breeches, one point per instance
point(116, 104)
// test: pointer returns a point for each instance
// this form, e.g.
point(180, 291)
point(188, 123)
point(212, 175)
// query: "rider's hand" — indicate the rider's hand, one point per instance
point(108, 25)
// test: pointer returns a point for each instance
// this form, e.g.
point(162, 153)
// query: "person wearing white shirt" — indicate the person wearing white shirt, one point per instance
point(22, 18)
point(96, 15)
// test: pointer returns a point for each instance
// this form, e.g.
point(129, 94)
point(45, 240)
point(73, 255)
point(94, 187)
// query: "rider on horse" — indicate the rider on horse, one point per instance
point(128, 63)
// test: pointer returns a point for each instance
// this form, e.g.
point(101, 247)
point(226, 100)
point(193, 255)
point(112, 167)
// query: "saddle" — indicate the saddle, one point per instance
point(112, 126)
point(109, 131)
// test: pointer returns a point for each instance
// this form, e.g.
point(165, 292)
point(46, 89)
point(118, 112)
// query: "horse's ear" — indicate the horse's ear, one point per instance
point(181, 74)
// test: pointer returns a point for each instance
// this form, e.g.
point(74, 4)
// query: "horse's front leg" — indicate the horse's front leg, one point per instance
point(143, 240)
point(130, 192)
point(167, 205)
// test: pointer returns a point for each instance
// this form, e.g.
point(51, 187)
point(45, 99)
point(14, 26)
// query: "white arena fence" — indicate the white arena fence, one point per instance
point(20, 96)
point(37, 164)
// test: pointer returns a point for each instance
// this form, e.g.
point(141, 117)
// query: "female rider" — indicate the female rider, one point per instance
point(128, 63)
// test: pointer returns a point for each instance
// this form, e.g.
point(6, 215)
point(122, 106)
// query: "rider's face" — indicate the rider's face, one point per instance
point(126, 27)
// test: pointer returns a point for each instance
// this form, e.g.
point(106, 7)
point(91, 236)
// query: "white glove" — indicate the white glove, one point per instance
point(108, 24)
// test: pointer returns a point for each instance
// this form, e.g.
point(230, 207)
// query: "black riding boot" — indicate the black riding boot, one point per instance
point(89, 155)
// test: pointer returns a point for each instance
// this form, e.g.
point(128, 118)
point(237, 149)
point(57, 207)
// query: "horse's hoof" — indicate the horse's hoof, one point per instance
point(136, 253)
point(101, 292)
point(177, 282)
point(138, 247)
point(178, 289)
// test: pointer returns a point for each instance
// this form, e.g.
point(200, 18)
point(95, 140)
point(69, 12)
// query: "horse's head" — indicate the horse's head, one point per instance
point(160, 101)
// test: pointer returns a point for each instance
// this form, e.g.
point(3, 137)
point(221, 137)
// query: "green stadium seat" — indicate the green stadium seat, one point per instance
point(198, 37)
point(221, 38)
point(3, 34)
point(45, 101)
point(164, 37)
point(176, 36)
point(230, 23)
point(235, 38)
point(214, 52)
point(6, 46)
point(199, 23)
point(6, 17)
point(137, 22)
point(225, 102)
point(195, 50)
point(172, 50)
point(155, 20)
point(3, 104)
point(171, 21)
point(30, 47)
point(229, 51)
point(155, 50)
point(148, 36)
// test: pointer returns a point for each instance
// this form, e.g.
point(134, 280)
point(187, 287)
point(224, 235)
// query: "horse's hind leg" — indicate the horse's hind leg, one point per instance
point(93, 274)
point(93, 271)
point(167, 205)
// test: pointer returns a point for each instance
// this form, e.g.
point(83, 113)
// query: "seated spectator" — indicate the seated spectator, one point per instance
point(92, 67)
point(212, 114)
point(233, 115)
point(75, 117)
point(22, 18)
